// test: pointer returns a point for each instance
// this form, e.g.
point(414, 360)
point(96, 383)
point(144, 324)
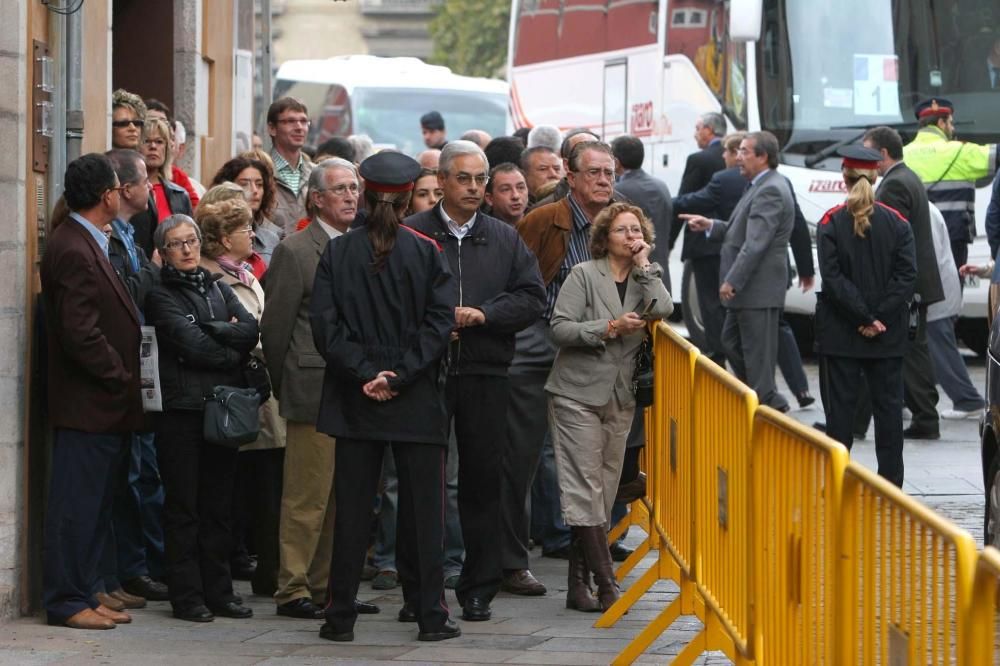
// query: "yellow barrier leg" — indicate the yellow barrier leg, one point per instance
point(628, 598)
point(626, 567)
point(692, 650)
point(649, 634)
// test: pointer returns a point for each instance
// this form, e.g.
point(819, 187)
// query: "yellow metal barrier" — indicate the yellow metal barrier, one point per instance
point(983, 636)
point(797, 474)
point(905, 577)
point(669, 468)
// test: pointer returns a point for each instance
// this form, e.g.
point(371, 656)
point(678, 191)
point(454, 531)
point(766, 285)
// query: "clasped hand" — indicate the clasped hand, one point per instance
point(378, 388)
point(870, 331)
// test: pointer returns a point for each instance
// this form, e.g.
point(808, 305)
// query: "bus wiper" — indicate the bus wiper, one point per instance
point(813, 160)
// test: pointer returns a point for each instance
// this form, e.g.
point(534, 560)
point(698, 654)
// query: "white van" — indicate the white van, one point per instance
point(385, 97)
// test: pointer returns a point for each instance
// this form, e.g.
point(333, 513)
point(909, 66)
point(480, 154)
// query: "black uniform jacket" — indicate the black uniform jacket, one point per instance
point(397, 319)
point(200, 346)
point(496, 273)
point(864, 279)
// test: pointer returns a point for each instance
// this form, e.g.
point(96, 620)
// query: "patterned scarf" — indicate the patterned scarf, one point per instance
point(196, 278)
point(242, 271)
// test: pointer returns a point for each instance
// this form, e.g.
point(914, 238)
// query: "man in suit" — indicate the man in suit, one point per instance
point(499, 292)
point(754, 266)
point(648, 193)
point(701, 251)
point(93, 386)
point(902, 190)
point(305, 538)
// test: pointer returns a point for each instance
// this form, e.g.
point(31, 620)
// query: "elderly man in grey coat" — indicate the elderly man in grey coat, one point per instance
point(754, 266)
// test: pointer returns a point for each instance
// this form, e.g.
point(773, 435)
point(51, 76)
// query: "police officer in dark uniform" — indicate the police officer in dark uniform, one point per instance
point(868, 266)
point(383, 308)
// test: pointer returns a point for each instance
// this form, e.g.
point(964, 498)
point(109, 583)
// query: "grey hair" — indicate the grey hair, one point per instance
point(454, 149)
point(363, 146)
point(317, 179)
point(545, 135)
point(169, 224)
point(715, 122)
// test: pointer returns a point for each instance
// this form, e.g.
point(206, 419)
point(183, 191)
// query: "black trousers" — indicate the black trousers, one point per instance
point(713, 314)
point(527, 422)
point(257, 513)
point(197, 512)
point(839, 379)
point(77, 518)
point(478, 406)
point(419, 527)
point(920, 394)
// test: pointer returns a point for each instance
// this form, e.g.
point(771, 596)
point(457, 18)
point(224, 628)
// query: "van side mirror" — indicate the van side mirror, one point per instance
point(745, 20)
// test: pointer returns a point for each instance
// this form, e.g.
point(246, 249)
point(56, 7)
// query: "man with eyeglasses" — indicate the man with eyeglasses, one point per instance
point(499, 292)
point(305, 537)
point(288, 125)
point(559, 235)
point(94, 396)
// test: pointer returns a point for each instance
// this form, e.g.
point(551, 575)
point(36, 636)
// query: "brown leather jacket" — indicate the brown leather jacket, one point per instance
point(545, 231)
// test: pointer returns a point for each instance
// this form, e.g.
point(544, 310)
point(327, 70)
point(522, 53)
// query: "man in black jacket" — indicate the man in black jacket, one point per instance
point(499, 293)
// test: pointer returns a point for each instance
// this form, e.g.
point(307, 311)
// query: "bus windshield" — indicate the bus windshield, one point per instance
point(827, 71)
point(391, 116)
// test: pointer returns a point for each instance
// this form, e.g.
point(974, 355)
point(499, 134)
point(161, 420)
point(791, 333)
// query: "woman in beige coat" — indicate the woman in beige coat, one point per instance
point(598, 328)
point(227, 233)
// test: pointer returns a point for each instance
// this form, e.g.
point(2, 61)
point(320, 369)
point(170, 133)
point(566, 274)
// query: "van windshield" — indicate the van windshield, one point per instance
point(392, 116)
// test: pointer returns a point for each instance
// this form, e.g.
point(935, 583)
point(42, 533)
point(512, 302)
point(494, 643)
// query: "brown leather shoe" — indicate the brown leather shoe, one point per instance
point(88, 619)
point(522, 582)
point(108, 601)
point(130, 600)
point(114, 616)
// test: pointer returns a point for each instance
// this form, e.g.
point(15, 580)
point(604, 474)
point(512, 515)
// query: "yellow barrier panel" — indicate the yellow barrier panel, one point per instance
point(797, 474)
point(669, 469)
point(906, 577)
point(983, 636)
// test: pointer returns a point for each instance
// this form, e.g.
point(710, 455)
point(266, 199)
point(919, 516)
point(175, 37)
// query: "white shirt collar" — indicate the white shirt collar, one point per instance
point(331, 231)
point(458, 231)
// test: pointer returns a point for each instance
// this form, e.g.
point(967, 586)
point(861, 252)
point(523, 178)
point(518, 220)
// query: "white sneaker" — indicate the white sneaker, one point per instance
point(958, 414)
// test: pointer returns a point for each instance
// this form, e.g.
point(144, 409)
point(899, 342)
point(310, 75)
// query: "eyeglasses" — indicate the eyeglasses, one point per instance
point(466, 179)
point(119, 189)
point(624, 231)
point(295, 121)
point(342, 189)
point(192, 243)
point(248, 229)
point(126, 123)
point(594, 173)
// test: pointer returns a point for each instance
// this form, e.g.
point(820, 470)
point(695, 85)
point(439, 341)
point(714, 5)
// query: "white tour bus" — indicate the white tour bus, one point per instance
point(385, 97)
point(816, 74)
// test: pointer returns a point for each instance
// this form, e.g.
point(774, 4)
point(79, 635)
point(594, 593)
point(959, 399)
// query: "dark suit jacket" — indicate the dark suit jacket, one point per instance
point(295, 366)
point(93, 337)
point(902, 190)
point(716, 200)
point(653, 197)
point(698, 172)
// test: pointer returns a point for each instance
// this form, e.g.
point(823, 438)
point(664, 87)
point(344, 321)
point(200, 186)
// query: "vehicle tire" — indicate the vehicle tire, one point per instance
point(689, 308)
point(991, 516)
point(974, 333)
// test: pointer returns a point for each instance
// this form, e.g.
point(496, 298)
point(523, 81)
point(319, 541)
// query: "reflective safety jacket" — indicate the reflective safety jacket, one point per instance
point(949, 170)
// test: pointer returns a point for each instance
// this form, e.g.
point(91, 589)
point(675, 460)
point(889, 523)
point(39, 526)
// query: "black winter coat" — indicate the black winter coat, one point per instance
point(397, 319)
point(494, 272)
point(864, 279)
point(200, 347)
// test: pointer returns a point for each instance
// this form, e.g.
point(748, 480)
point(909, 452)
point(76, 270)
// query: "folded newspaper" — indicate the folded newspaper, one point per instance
point(149, 371)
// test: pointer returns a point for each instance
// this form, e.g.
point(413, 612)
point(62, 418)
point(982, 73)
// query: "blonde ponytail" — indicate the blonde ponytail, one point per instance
point(860, 198)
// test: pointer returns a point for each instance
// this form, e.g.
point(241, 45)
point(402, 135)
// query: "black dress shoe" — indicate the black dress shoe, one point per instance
point(916, 432)
point(144, 586)
point(302, 608)
point(449, 630)
point(232, 609)
point(365, 608)
point(476, 610)
point(407, 614)
point(619, 551)
point(330, 634)
point(805, 400)
point(198, 613)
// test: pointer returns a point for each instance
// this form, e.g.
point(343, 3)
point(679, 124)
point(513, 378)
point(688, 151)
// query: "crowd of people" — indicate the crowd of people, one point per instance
point(451, 344)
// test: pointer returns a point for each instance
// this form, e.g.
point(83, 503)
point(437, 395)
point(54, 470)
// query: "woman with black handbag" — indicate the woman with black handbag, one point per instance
point(205, 337)
point(228, 243)
point(598, 328)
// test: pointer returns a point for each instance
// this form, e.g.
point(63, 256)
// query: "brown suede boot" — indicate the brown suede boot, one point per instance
point(598, 558)
point(578, 594)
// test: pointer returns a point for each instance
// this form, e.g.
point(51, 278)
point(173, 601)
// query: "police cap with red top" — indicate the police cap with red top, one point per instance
point(859, 157)
point(935, 107)
point(389, 172)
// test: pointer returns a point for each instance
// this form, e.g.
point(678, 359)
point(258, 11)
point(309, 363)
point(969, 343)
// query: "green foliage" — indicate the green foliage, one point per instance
point(470, 36)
